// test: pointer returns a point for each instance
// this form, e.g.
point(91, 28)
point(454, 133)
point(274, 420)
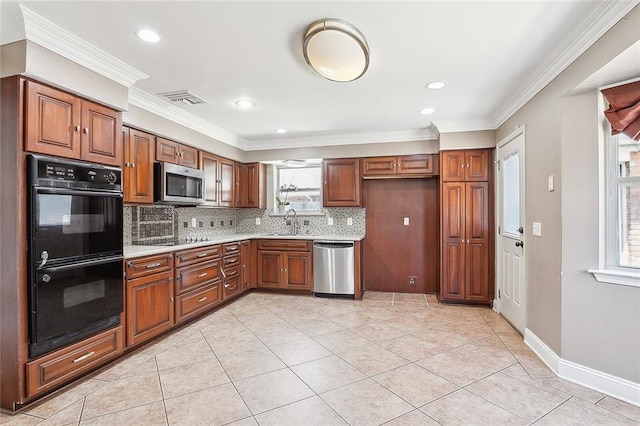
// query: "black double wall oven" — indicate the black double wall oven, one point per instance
point(75, 251)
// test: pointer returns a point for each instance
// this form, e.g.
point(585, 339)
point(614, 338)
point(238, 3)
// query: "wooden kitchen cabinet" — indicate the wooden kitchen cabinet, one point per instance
point(174, 152)
point(342, 185)
point(219, 185)
point(64, 125)
point(403, 166)
point(251, 185)
point(61, 366)
point(283, 264)
point(137, 168)
point(466, 235)
point(231, 269)
point(247, 266)
point(471, 165)
point(149, 298)
point(198, 281)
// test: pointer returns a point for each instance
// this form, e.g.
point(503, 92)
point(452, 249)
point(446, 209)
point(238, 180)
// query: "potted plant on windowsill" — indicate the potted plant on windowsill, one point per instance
point(281, 201)
point(281, 205)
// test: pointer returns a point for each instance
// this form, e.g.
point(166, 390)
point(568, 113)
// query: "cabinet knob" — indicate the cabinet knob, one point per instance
point(78, 128)
point(133, 165)
point(86, 130)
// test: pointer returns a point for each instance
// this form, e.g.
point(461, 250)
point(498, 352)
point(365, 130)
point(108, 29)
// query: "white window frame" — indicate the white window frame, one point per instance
point(610, 270)
point(276, 183)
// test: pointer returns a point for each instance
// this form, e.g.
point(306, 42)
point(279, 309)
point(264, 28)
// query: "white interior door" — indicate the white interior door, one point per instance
point(510, 239)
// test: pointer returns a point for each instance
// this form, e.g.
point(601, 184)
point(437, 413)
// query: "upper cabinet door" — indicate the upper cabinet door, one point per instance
point(209, 163)
point(477, 165)
point(167, 151)
point(188, 156)
point(101, 134)
point(226, 182)
point(376, 166)
point(53, 121)
point(415, 164)
point(453, 165)
point(341, 178)
point(138, 166)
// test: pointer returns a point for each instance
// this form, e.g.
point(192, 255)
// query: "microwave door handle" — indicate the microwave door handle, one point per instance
point(82, 264)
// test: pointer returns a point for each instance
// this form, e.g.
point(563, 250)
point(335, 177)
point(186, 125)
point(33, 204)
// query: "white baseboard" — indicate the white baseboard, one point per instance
point(608, 384)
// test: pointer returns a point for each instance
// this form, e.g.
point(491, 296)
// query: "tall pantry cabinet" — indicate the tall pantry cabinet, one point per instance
point(466, 196)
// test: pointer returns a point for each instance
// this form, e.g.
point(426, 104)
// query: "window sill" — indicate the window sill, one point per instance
point(612, 276)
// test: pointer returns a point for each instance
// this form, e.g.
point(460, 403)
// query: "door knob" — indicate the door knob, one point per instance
point(521, 230)
point(519, 244)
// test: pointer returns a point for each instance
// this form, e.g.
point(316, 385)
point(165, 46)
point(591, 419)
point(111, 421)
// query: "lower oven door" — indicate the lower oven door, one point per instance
point(72, 301)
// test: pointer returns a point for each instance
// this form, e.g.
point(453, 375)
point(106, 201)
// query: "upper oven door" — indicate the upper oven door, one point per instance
point(67, 224)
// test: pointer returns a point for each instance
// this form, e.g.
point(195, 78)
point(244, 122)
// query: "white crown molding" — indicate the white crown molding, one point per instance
point(55, 38)
point(465, 126)
point(603, 16)
point(166, 109)
point(429, 134)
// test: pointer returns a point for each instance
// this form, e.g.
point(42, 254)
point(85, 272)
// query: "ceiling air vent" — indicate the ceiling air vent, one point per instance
point(183, 96)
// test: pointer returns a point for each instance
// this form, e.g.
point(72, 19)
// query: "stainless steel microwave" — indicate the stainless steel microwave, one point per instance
point(176, 184)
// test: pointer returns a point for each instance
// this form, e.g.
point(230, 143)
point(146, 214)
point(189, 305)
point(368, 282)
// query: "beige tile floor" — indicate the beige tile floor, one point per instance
point(394, 359)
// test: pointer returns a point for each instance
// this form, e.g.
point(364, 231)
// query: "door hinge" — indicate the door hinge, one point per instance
point(498, 164)
point(499, 294)
point(499, 231)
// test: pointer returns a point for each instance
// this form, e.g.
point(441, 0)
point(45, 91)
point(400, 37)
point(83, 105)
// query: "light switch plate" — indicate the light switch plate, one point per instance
point(536, 229)
point(194, 222)
point(257, 221)
point(330, 221)
point(350, 221)
point(406, 221)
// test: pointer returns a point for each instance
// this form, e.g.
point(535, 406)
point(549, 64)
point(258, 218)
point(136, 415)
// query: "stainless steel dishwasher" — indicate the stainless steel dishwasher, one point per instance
point(333, 269)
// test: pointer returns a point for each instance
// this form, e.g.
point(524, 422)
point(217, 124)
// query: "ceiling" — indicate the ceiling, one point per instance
point(494, 56)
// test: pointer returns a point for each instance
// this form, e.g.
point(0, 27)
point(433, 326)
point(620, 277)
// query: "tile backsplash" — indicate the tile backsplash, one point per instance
point(161, 223)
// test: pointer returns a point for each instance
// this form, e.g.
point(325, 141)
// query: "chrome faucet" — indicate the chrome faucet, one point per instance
point(295, 226)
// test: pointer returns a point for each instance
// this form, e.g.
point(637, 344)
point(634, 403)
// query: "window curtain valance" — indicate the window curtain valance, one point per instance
point(624, 109)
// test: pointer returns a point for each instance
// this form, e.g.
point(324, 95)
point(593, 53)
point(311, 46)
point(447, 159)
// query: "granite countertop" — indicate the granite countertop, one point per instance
point(139, 251)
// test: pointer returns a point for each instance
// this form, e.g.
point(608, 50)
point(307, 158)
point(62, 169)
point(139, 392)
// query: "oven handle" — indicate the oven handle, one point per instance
point(89, 192)
point(82, 264)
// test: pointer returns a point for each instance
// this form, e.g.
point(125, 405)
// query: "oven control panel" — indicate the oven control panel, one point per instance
point(62, 173)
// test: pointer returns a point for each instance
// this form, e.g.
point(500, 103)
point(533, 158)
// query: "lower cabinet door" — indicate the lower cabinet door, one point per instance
point(149, 307)
point(297, 269)
point(197, 301)
point(59, 367)
point(270, 269)
point(230, 288)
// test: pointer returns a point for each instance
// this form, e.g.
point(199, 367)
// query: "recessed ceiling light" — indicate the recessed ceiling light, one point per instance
point(281, 130)
point(426, 111)
point(436, 85)
point(244, 104)
point(149, 36)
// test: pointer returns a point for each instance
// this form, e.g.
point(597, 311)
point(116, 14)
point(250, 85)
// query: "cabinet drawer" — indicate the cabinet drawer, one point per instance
point(58, 367)
point(232, 272)
point(144, 266)
point(230, 260)
point(193, 276)
point(197, 301)
point(230, 288)
point(231, 248)
point(202, 254)
point(297, 245)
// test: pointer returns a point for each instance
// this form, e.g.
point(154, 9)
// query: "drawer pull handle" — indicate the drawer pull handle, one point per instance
point(204, 274)
point(202, 299)
point(83, 357)
point(226, 286)
point(203, 255)
point(223, 274)
point(153, 265)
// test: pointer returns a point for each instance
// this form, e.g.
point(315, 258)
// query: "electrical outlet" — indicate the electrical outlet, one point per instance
point(185, 224)
point(412, 280)
point(305, 222)
point(406, 221)
point(330, 221)
point(200, 224)
point(194, 222)
point(349, 221)
point(258, 221)
point(212, 223)
point(230, 223)
point(222, 223)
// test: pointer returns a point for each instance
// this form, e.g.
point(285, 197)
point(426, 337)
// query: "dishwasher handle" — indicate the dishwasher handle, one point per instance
point(333, 244)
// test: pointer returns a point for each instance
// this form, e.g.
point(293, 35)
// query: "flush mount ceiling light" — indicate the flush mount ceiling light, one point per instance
point(244, 104)
point(149, 36)
point(434, 85)
point(281, 130)
point(336, 50)
point(427, 111)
